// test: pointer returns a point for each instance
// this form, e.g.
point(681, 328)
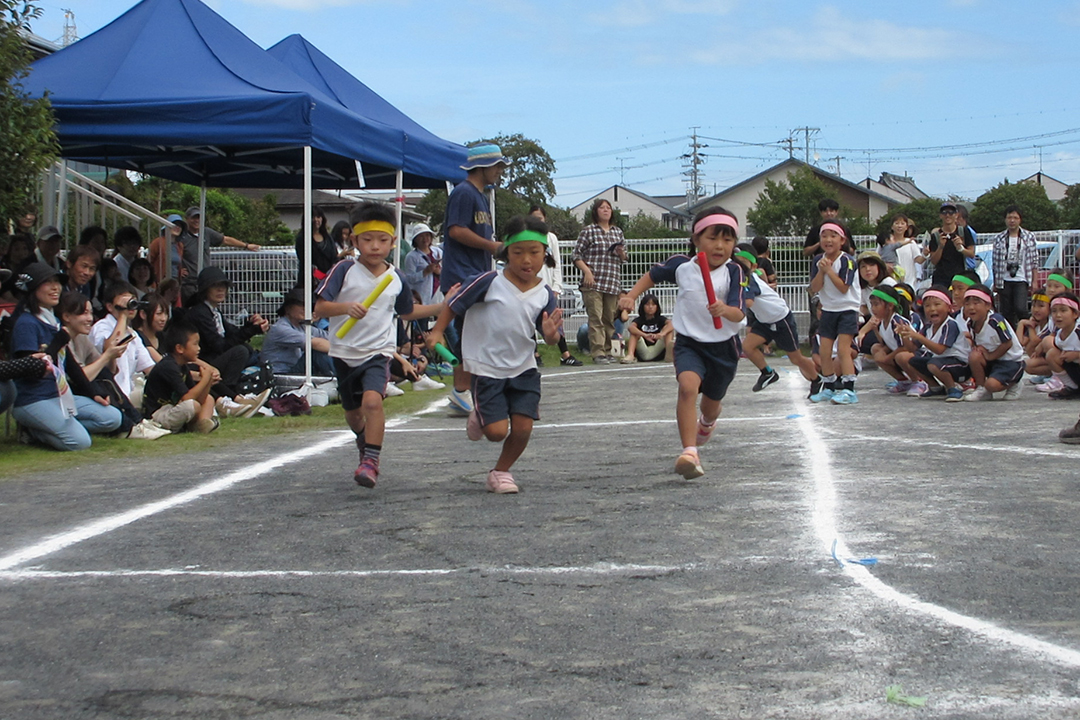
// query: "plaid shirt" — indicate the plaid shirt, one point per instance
point(1026, 252)
point(596, 249)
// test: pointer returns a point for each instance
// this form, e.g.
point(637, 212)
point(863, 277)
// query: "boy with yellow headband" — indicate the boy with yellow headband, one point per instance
point(362, 355)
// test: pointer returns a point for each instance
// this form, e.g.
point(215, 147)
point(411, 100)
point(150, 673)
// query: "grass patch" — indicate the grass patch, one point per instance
point(22, 459)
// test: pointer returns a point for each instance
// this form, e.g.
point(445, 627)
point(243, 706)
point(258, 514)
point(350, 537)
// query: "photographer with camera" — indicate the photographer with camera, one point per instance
point(114, 329)
point(950, 245)
point(1015, 262)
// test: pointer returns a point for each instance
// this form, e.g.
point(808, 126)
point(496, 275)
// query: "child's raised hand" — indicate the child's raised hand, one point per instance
point(626, 303)
point(356, 310)
point(452, 291)
point(552, 323)
point(824, 264)
point(434, 338)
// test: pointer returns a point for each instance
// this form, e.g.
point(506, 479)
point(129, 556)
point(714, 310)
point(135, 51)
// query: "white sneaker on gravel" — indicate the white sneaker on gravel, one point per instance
point(1013, 392)
point(978, 394)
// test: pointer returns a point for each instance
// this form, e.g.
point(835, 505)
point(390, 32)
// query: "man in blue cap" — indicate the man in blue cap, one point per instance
point(468, 244)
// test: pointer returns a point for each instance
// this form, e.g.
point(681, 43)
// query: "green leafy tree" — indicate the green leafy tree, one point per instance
point(923, 213)
point(1070, 208)
point(786, 209)
point(647, 226)
point(1039, 212)
point(27, 137)
point(530, 170)
point(562, 222)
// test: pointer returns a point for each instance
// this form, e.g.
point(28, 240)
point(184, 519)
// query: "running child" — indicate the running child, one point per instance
point(1064, 356)
point(834, 278)
point(651, 334)
point(362, 358)
point(772, 321)
point(502, 312)
point(996, 358)
point(705, 356)
point(941, 360)
point(888, 329)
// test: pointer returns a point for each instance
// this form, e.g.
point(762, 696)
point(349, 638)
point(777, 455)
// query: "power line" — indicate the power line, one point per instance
point(632, 148)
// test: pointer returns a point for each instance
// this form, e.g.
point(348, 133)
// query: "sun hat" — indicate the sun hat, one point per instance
point(482, 156)
point(31, 276)
point(211, 276)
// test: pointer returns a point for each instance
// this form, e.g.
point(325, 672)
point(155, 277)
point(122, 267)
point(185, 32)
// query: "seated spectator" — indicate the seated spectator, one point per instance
point(121, 305)
point(99, 368)
point(651, 334)
point(82, 275)
point(283, 346)
point(150, 321)
point(222, 344)
point(409, 364)
point(49, 241)
point(128, 242)
point(49, 408)
point(20, 253)
point(941, 358)
point(141, 277)
point(177, 394)
point(97, 238)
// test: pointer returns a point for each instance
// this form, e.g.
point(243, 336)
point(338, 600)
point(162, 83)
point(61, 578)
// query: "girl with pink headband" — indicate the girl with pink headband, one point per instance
point(834, 279)
point(941, 361)
point(1064, 356)
point(997, 357)
point(706, 356)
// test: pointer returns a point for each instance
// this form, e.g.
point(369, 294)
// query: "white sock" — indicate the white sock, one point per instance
point(1066, 380)
point(691, 449)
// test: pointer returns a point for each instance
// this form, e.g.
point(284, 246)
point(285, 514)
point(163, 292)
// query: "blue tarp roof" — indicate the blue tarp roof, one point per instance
point(170, 88)
point(425, 152)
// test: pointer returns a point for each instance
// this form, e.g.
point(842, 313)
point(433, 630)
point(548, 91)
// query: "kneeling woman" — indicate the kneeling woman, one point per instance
point(50, 408)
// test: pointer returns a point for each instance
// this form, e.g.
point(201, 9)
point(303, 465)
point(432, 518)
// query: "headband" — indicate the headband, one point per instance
point(902, 292)
point(980, 295)
point(939, 295)
point(1061, 279)
point(1068, 302)
point(374, 226)
point(1039, 297)
point(882, 295)
point(834, 227)
point(717, 219)
point(963, 279)
point(527, 236)
point(747, 256)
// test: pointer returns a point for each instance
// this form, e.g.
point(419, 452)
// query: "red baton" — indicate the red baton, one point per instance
point(706, 277)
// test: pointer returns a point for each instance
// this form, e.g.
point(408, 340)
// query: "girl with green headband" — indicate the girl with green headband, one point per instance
point(503, 310)
point(886, 332)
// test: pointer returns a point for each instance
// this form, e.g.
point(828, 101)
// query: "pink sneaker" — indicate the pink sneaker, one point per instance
point(689, 465)
point(367, 473)
point(473, 428)
point(501, 482)
point(704, 432)
point(1051, 385)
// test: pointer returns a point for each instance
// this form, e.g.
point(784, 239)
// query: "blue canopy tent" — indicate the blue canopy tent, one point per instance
point(171, 89)
point(424, 153)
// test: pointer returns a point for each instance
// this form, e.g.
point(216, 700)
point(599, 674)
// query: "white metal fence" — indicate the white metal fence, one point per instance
point(260, 279)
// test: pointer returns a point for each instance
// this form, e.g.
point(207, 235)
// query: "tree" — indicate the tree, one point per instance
point(923, 213)
point(1070, 208)
point(1038, 211)
point(647, 226)
point(791, 209)
point(26, 133)
point(530, 170)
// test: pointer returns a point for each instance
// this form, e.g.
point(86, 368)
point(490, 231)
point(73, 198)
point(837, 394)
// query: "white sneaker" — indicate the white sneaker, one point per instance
point(393, 390)
point(147, 430)
point(227, 407)
point(426, 383)
point(460, 402)
point(1013, 392)
point(979, 393)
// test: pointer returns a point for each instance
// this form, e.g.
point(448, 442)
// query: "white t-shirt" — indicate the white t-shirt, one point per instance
point(691, 316)
point(376, 333)
point(995, 331)
point(136, 357)
point(832, 299)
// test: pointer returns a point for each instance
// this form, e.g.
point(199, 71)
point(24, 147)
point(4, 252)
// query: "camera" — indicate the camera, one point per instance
point(1011, 268)
point(134, 304)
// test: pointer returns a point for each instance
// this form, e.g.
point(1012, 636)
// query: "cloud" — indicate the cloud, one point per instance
point(835, 36)
point(643, 13)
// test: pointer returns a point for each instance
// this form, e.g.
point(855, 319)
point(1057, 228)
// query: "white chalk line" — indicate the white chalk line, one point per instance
point(92, 529)
point(594, 569)
point(955, 446)
point(824, 520)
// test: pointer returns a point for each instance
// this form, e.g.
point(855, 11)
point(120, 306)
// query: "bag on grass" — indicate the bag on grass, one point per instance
point(255, 379)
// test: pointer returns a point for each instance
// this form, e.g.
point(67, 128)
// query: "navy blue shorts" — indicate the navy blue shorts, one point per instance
point(353, 382)
point(952, 365)
point(834, 324)
point(1006, 372)
point(783, 333)
point(498, 398)
point(715, 363)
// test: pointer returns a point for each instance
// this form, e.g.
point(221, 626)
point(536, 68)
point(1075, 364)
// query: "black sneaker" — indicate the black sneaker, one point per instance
point(765, 380)
point(571, 361)
point(1065, 393)
point(815, 386)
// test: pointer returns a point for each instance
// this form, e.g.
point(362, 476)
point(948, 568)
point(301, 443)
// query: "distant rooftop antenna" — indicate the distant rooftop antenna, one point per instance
point(71, 34)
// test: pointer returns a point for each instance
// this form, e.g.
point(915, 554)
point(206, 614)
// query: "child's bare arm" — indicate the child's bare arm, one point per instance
point(436, 336)
point(626, 302)
point(326, 308)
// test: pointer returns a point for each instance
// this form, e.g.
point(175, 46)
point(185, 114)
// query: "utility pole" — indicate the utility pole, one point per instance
point(693, 162)
point(790, 142)
point(807, 131)
point(837, 160)
point(622, 169)
point(71, 34)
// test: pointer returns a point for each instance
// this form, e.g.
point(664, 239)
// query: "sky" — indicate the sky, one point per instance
point(958, 94)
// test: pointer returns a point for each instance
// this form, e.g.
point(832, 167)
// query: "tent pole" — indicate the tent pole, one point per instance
point(307, 239)
point(202, 224)
point(61, 198)
point(399, 203)
point(494, 230)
